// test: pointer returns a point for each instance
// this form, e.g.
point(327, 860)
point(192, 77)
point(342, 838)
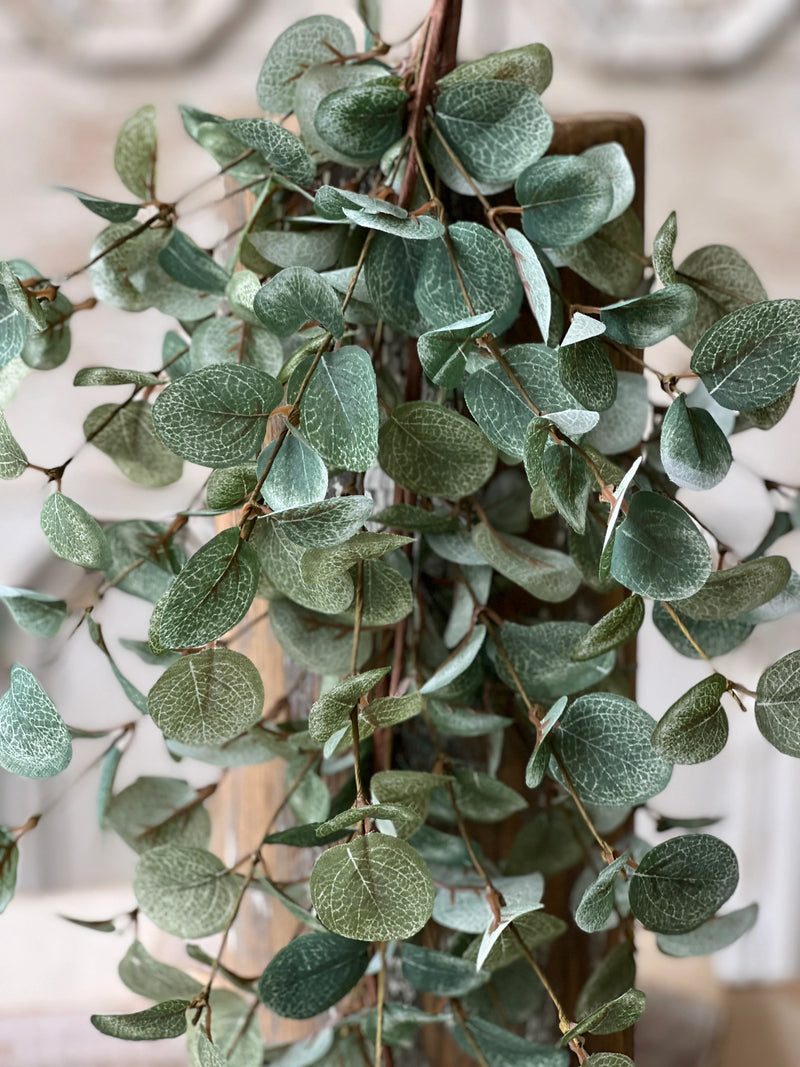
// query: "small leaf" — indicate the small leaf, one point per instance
point(587, 372)
point(315, 641)
point(207, 697)
point(618, 627)
point(282, 568)
point(278, 146)
point(649, 319)
point(135, 153)
point(531, 65)
point(309, 41)
point(186, 263)
point(12, 330)
point(409, 789)
point(482, 798)
point(34, 740)
point(534, 280)
point(495, 127)
point(611, 259)
point(658, 551)
point(459, 660)
point(443, 352)
point(694, 451)
point(110, 210)
point(185, 891)
point(394, 813)
point(663, 248)
point(434, 451)
point(217, 416)
point(13, 461)
point(611, 1017)
point(375, 888)
point(501, 1048)
point(738, 590)
point(723, 281)
point(339, 409)
point(128, 437)
point(681, 883)
point(715, 638)
point(297, 476)
point(72, 532)
point(751, 357)
point(545, 573)
point(115, 376)
point(211, 593)
point(159, 811)
point(610, 159)
point(325, 523)
point(565, 200)
point(332, 710)
point(569, 481)
point(467, 910)
point(502, 947)
point(363, 121)
point(311, 974)
point(38, 614)
point(581, 328)
point(146, 976)
point(597, 902)
point(623, 425)
point(715, 934)
point(152, 1024)
point(390, 272)
point(147, 552)
point(429, 971)
point(486, 269)
point(613, 976)
point(294, 296)
point(778, 704)
point(541, 658)
point(9, 858)
point(603, 741)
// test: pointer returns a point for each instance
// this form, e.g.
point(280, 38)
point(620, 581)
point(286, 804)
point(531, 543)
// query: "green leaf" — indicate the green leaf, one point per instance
point(279, 147)
point(237, 1034)
point(658, 551)
point(332, 710)
point(314, 641)
point(738, 590)
point(72, 532)
point(211, 593)
point(311, 974)
point(482, 798)
point(391, 271)
point(611, 1017)
point(611, 259)
point(388, 711)
point(188, 264)
point(304, 836)
point(501, 947)
point(129, 438)
point(13, 461)
point(429, 971)
point(778, 704)
point(681, 883)
point(434, 451)
point(587, 372)
point(339, 409)
point(501, 1048)
point(545, 573)
point(610, 159)
point(467, 910)
point(443, 352)
point(9, 858)
point(497, 404)
point(723, 281)
point(110, 210)
point(108, 771)
point(12, 330)
point(569, 481)
point(609, 1059)
point(565, 200)
point(146, 976)
point(617, 628)
point(410, 789)
point(363, 121)
point(487, 270)
point(185, 891)
point(374, 214)
point(541, 658)
point(531, 65)
point(663, 248)
point(623, 425)
point(135, 152)
point(319, 565)
point(281, 562)
point(694, 451)
point(495, 127)
point(294, 296)
point(217, 416)
point(751, 357)
point(131, 692)
point(613, 976)
point(115, 376)
point(152, 1024)
point(534, 280)
point(649, 319)
point(715, 638)
point(297, 476)
point(715, 934)
point(597, 902)
point(34, 740)
point(224, 339)
point(459, 660)
point(375, 888)
point(324, 523)
point(159, 811)
point(318, 247)
point(305, 43)
point(35, 612)
point(229, 487)
point(207, 697)
point(394, 813)
point(138, 540)
point(603, 741)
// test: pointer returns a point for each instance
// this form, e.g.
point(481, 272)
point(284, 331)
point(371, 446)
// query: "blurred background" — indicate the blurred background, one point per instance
point(717, 84)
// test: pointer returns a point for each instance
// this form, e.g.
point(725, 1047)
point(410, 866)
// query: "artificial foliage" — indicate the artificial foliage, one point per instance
point(442, 481)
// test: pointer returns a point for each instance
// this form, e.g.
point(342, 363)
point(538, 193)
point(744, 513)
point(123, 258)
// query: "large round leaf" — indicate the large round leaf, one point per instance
point(375, 888)
point(565, 200)
point(185, 891)
point(681, 883)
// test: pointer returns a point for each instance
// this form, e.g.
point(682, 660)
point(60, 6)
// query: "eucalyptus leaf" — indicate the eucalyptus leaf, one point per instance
point(530, 65)
point(534, 280)
point(35, 612)
point(72, 532)
point(715, 638)
point(278, 146)
point(9, 858)
point(186, 892)
point(611, 259)
point(443, 352)
point(714, 934)
point(155, 811)
point(565, 199)
point(332, 710)
point(13, 461)
point(738, 590)
point(294, 296)
point(545, 573)
point(618, 627)
point(694, 451)
point(778, 704)
point(723, 281)
point(502, 1048)
point(188, 264)
point(391, 271)
point(34, 740)
point(588, 374)
point(429, 971)
point(309, 41)
point(128, 436)
point(597, 902)
point(339, 409)
point(541, 658)
point(311, 974)
point(646, 320)
point(298, 476)
point(146, 976)
point(162, 1020)
point(135, 152)
point(363, 121)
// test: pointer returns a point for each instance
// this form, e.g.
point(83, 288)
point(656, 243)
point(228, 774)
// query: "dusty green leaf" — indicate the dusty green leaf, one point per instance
point(317, 642)
point(443, 352)
point(569, 481)
point(467, 910)
point(610, 160)
point(778, 704)
point(34, 740)
point(429, 971)
point(715, 638)
point(278, 146)
point(603, 741)
point(339, 409)
point(531, 65)
point(541, 657)
point(487, 270)
point(297, 476)
point(332, 710)
point(648, 319)
point(534, 280)
point(663, 248)
point(324, 523)
point(545, 573)
point(375, 888)
point(363, 121)
point(13, 461)
point(715, 934)
point(482, 798)
point(207, 697)
point(694, 451)
point(147, 552)
point(159, 811)
point(565, 200)
point(146, 976)
point(733, 592)
point(217, 416)
point(162, 1020)
point(723, 281)
point(409, 789)
point(321, 564)
point(458, 661)
point(658, 551)
point(282, 566)
point(188, 264)
point(618, 627)
point(9, 858)
point(185, 891)
point(623, 425)
point(588, 374)
point(611, 259)
point(597, 902)
point(294, 296)
point(615, 974)
point(305, 43)
point(35, 612)
point(501, 1048)
point(130, 440)
point(391, 271)
point(135, 152)
point(72, 532)
point(110, 210)
point(12, 330)
point(311, 974)
point(681, 883)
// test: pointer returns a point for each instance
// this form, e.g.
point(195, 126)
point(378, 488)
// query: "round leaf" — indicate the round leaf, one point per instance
point(311, 974)
point(72, 532)
point(778, 704)
point(712, 936)
point(306, 42)
point(694, 451)
point(565, 200)
point(34, 740)
point(185, 891)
